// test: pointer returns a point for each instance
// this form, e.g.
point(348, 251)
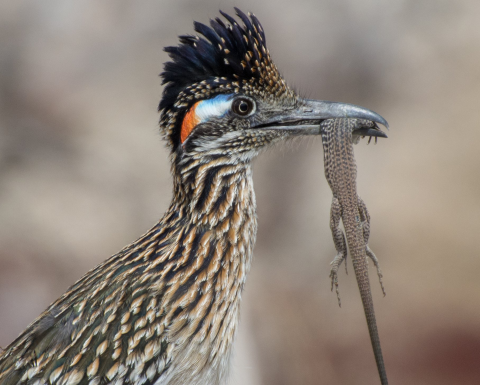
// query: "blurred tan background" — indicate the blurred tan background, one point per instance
point(83, 171)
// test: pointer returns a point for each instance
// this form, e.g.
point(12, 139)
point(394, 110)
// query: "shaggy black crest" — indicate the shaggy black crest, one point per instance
point(228, 51)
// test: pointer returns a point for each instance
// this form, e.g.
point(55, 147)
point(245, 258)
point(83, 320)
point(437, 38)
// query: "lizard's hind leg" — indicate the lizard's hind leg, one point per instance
point(340, 245)
point(365, 218)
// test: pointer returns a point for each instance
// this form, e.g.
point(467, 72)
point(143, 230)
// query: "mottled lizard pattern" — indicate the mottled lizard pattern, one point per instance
point(338, 137)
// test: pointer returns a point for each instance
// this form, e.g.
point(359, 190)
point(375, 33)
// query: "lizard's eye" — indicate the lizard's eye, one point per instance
point(243, 106)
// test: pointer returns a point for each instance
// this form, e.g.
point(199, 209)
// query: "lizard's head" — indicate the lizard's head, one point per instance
point(363, 128)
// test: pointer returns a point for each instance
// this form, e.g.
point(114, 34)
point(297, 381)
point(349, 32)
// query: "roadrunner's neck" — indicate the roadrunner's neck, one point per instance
point(205, 267)
point(211, 190)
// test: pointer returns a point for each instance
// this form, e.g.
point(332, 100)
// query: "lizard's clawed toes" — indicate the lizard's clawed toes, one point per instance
point(337, 261)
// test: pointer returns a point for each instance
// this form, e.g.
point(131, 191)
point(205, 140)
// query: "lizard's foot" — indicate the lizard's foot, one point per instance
point(372, 256)
point(337, 261)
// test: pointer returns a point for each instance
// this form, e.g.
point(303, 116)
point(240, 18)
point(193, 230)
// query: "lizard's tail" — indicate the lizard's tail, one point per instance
point(361, 271)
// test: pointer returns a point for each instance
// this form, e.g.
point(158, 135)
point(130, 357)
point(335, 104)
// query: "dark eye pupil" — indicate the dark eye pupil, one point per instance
point(243, 107)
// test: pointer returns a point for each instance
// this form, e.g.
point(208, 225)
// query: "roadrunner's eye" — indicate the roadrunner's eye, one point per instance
point(243, 106)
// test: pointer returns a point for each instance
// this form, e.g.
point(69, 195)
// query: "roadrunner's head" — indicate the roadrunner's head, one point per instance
point(224, 96)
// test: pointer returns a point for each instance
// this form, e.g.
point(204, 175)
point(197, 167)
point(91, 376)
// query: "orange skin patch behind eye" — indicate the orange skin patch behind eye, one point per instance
point(190, 121)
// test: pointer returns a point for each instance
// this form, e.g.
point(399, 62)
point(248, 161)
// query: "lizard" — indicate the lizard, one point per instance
point(338, 136)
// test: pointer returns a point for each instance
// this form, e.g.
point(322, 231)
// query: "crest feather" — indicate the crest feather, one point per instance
point(220, 54)
point(227, 57)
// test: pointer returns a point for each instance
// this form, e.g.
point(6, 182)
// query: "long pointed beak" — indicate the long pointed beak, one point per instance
point(306, 118)
point(329, 110)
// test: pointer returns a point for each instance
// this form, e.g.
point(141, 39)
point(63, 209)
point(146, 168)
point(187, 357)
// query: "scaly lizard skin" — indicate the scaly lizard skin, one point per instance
point(338, 137)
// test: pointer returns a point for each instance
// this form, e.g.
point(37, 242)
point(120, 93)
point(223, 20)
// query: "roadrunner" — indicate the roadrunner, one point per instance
point(164, 310)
